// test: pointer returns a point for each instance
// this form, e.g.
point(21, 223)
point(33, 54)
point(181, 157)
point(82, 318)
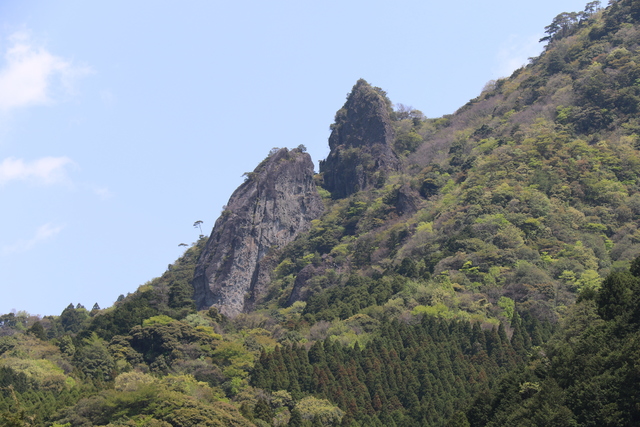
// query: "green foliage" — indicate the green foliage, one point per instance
point(410, 129)
point(417, 372)
point(344, 301)
point(169, 295)
point(395, 308)
point(619, 295)
point(508, 305)
point(157, 404)
point(319, 410)
point(38, 331)
point(587, 375)
point(33, 383)
point(163, 340)
point(95, 360)
point(73, 319)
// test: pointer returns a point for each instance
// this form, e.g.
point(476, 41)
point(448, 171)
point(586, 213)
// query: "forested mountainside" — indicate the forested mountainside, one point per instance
point(478, 269)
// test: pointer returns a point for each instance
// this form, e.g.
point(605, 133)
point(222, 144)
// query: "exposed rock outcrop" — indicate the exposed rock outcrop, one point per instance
point(360, 143)
point(276, 203)
point(298, 292)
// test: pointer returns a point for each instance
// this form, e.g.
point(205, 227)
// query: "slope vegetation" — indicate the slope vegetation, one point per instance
point(474, 269)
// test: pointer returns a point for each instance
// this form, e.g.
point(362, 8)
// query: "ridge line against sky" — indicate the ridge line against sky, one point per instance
point(121, 124)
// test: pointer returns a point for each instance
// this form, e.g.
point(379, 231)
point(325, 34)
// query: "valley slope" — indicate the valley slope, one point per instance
point(475, 269)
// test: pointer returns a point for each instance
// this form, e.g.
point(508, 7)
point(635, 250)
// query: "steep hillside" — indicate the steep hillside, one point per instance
point(473, 269)
point(587, 375)
point(528, 192)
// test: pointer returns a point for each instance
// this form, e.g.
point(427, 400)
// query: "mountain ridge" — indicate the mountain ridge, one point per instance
point(488, 276)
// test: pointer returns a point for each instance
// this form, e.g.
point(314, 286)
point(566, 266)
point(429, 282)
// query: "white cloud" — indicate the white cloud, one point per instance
point(46, 170)
point(44, 232)
point(31, 74)
point(515, 52)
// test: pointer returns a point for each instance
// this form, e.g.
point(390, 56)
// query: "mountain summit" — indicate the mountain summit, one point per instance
point(360, 143)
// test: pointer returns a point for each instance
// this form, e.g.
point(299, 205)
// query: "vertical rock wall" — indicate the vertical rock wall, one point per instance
point(360, 143)
point(276, 203)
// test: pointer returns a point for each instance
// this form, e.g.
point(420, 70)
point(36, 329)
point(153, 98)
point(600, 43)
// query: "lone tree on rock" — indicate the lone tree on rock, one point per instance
point(198, 224)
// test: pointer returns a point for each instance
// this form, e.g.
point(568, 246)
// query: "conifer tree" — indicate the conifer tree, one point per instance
point(263, 411)
point(296, 419)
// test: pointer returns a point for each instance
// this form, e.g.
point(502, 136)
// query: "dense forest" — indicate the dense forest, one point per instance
point(481, 269)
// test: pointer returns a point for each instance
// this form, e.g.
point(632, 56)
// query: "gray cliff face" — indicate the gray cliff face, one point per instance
point(360, 143)
point(276, 203)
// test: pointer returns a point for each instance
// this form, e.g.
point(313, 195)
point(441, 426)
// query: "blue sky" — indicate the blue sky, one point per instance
point(123, 123)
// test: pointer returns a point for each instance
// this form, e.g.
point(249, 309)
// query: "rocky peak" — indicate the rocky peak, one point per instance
point(360, 143)
point(276, 203)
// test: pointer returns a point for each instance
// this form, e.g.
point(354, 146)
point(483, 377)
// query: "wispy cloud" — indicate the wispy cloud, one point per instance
point(46, 170)
point(515, 52)
point(108, 98)
point(31, 75)
point(43, 233)
point(102, 192)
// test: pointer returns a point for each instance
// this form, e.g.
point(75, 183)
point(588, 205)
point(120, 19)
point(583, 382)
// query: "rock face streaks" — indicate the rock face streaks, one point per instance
point(276, 203)
point(360, 143)
point(279, 200)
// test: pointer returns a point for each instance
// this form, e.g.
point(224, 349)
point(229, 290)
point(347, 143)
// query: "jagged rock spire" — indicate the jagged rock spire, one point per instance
point(360, 142)
point(276, 203)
